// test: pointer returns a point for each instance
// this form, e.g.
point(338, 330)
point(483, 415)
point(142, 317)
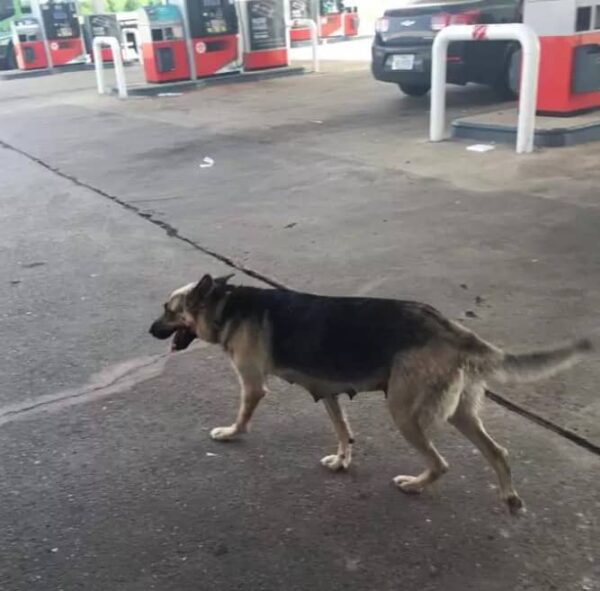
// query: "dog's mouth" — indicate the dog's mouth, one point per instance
point(182, 339)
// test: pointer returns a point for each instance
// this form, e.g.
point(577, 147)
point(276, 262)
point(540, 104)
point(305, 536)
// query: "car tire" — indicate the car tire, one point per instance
point(414, 89)
point(507, 86)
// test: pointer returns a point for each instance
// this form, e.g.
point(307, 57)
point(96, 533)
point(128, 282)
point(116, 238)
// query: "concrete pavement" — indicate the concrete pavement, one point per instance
point(323, 183)
point(128, 492)
point(333, 155)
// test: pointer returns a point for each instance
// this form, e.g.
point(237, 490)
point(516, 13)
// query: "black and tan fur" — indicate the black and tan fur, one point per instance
point(430, 368)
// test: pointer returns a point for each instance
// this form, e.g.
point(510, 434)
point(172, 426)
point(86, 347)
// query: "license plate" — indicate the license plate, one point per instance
point(402, 62)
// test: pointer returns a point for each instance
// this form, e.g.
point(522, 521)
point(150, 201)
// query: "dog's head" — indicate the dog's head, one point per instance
point(191, 311)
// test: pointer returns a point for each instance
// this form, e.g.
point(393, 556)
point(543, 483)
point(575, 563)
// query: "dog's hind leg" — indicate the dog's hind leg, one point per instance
point(436, 465)
point(467, 421)
point(424, 389)
point(342, 459)
point(252, 392)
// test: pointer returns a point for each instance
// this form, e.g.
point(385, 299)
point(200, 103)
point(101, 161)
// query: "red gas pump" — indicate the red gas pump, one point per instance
point(351, 22)
point(212, 26)
point(265, 38)
point(164, 48)
point(63, 33)
point(303, 9)
point(335, 19)
point(332, 18)
point(569, 32)
point(28, 41)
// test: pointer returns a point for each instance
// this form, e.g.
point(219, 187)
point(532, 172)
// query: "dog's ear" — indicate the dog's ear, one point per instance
point(202, 289)
point(224, 279)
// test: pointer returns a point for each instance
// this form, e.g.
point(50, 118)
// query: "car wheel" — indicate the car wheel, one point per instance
point(507, 86)
point(414, 89)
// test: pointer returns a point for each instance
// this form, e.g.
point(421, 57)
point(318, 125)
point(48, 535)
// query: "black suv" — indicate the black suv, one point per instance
point(403, 39)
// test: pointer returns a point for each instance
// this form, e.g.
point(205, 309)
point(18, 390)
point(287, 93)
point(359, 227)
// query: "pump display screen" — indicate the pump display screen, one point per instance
point(331, 6)
point(267, 24)
point(103, 25)
point(60, 20)
point(211, 17)
point(26, 23)
point(301, 8)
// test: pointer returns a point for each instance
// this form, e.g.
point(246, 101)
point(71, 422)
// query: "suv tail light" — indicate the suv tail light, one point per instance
point(445, 19)
point(382, 25)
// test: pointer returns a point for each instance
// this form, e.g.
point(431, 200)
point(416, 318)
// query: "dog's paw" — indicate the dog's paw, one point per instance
point(515, 505)
point(335, 462)
point(409, 484)
point(224, 433)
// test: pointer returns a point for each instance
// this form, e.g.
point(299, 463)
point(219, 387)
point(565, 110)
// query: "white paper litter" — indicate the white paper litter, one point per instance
point(481, 148)
point(207, 162)
point(211, 455)
point(169, 94)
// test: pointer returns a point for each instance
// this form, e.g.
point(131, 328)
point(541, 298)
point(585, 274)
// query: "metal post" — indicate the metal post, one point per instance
point(529, 79)
point(528, 91)
point(81, 38)
point(243, 32)
point(36, 10)
point(287, 17)
point(241, 37)
point(98, 65)
point(314, 37)
point(115, 48)
point(317, 17)
point(188, 38)
point(438, 87)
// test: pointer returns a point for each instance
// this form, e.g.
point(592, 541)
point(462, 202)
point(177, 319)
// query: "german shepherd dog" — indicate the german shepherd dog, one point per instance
point(431, 369)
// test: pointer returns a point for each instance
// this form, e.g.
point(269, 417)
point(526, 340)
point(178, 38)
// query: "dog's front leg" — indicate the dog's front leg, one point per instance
point(252, 392)
point(343, 458)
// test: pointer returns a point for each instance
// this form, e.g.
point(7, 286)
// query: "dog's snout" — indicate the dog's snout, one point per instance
point(159, 331)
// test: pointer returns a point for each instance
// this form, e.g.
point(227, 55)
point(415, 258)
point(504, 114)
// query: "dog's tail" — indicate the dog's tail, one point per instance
point(536, 365)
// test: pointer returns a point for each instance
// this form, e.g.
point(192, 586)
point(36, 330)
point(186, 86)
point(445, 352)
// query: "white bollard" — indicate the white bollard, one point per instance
point(314, 38)
point(287, 17)
point(529, 78)
point(115, 48)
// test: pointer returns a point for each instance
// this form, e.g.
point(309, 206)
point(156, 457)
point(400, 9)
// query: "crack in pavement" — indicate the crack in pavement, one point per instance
point(109, 381)
point(172, 232)
point(169, 229)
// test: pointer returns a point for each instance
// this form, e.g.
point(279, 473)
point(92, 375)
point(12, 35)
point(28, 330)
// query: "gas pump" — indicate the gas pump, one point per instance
point(265, 36)
point(63, 33)
point(351, 21)
point(569, 31)
point(164, 48)
point(334, 18)
point(303, 9)
point(101, 25)
point(212, 27)
point(28, 41)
